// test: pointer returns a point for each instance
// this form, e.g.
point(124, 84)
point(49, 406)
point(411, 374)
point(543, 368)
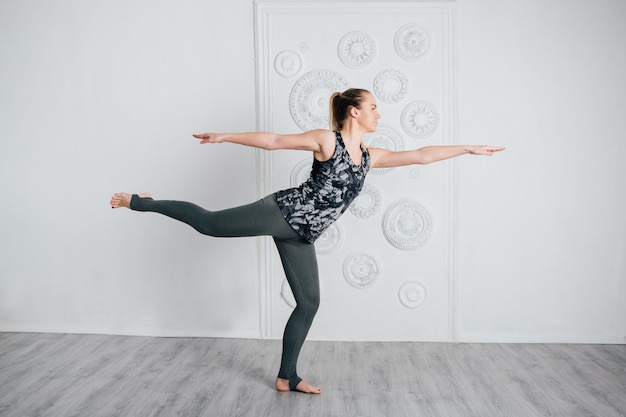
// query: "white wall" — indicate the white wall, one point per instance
point(542, 229)
point(371, 288)
point(99, 97)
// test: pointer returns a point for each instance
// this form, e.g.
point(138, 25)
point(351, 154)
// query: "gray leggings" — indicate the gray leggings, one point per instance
point(261, 218)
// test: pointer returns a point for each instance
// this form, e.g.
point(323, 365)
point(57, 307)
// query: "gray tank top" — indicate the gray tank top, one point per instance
point(333, 184)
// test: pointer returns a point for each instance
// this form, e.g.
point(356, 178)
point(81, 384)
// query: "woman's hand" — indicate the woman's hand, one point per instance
point(485, 150)
point(210, 137)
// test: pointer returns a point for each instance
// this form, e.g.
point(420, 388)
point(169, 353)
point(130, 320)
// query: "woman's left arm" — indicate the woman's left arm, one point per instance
point(383, 158)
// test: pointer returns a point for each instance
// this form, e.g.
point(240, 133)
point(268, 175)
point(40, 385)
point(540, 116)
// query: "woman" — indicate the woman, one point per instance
point(296, 217)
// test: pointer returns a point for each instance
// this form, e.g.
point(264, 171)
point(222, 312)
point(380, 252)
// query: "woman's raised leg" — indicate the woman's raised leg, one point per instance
point(256, 219)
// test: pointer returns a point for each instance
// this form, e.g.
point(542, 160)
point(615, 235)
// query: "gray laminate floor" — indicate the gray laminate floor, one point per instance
point(69, 375)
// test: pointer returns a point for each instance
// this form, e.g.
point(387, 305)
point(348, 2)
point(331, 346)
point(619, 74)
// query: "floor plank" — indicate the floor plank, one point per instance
point(69, 375)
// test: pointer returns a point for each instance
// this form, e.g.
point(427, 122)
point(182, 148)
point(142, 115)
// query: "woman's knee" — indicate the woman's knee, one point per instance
point(310, 303)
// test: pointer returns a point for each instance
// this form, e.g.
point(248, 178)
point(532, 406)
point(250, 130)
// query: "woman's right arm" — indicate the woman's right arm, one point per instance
point(317, 141)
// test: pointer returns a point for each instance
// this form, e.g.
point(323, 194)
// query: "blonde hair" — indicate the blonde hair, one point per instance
point(340, 104)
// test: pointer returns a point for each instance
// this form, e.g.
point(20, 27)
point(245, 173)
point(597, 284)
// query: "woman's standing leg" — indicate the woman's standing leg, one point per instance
point(300, 264)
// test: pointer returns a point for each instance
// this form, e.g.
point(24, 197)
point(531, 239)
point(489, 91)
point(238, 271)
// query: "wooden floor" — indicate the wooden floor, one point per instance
point(96, 375)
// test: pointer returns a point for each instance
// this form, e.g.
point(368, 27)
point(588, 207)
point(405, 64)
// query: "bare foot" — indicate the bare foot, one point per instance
point(303, 386)
point(123, 199)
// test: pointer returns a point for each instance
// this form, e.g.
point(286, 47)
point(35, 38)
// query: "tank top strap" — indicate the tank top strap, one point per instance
point(339, 140)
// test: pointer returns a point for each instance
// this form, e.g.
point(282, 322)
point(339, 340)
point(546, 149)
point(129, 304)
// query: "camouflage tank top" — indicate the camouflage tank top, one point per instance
point(333, 184)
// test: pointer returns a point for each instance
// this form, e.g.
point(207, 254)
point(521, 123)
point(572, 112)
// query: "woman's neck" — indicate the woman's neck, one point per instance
point(352, 136)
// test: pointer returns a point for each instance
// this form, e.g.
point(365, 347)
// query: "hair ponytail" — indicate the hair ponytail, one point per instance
point(340, 104)
point(334, 104)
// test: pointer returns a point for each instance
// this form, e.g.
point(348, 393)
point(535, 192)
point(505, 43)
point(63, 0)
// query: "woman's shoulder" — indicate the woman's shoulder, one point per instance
point(326, 140)
point(322, 134)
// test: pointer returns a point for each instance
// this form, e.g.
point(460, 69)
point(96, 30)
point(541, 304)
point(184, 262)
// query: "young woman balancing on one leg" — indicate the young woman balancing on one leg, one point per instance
point(296, 217)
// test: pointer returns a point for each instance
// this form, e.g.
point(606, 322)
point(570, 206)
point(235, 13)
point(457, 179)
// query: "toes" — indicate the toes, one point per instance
point(315, 390)
point(120, 200)
point(307, 388)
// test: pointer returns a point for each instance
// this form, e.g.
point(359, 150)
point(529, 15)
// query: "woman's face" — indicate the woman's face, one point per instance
point(368, 113)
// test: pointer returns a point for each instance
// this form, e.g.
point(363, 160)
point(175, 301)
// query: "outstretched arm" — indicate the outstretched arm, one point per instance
point(382, 158)
point(315, 140)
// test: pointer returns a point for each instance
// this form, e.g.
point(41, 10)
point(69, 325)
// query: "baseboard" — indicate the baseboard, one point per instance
point(461, 337)
point(142, 332)
point(541, 339)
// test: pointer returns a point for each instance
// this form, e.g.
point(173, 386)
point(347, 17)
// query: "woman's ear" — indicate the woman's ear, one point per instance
point(354, 112)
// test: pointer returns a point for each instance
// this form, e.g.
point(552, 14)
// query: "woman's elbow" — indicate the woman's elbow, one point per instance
point(271, 143)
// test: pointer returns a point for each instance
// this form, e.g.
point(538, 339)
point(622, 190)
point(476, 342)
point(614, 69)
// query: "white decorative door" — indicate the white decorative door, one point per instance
point(385, 266)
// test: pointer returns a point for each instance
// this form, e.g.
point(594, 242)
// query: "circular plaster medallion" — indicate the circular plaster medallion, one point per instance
point(385, 137)
point(288, 63)
point(356, 49)
point(310, 95)
point(415, 173)
point(412, 294)
point(301, 172)
point(330, 240)
point(287, 294)
point(407, 225)
point(411, 42)
point(391, 85)
point(419, 119)
point(367, 203)
point(360, 270)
